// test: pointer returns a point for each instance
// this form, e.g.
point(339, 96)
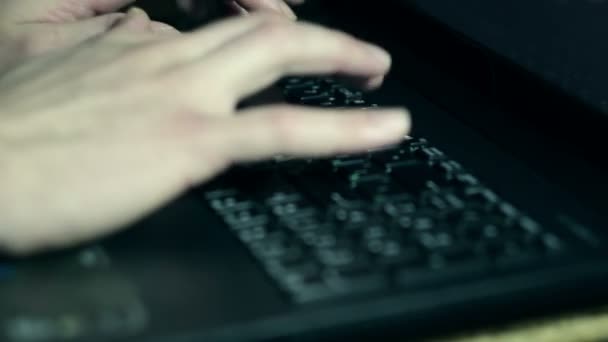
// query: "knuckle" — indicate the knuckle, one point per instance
point(341, 44)
point(276, 32)
point(137, 58)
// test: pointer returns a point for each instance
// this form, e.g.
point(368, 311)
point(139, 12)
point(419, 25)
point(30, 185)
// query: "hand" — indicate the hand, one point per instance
point(245, 6)
point(96, 136)
point(30, 27)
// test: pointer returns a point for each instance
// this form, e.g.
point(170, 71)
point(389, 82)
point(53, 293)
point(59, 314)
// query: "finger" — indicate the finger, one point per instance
point(135, 21)
point(257, 60)
point(277, 6)
point(363, 83)
point(80, 31)
point(105, 6)
point(299, 131)
point(192, 46)
point(50, 36)
point(136, 25)
point(61, 11)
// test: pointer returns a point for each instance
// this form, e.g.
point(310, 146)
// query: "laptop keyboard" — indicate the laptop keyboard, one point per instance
point(400, 218)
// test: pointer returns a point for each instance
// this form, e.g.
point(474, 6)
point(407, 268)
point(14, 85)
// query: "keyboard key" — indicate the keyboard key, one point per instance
point(389, 252)
point(415, 179)
point(322, 238)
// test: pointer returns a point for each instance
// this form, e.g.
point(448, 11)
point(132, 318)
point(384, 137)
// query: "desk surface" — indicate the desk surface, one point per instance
point(581, 327)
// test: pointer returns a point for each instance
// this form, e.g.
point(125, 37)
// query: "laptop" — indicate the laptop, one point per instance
point(479, 218)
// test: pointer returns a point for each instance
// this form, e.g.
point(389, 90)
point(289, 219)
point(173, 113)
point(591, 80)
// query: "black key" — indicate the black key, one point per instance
point(415, 179)
point(253, 234)
point(552, 243)
point(280, 248)
point(352, 218)
point(303, 220)
point(231, 203)
point(368, 186)
point(295, 95)
point(435, 241)
point(362, 172)
point(398, 205)
point(322, 185)
point(283, 196)
point(316, 99)
point(343, 94)
point(356, 103)
point(465, 180)
point(422, 223)
point(289, 209)
point(348, 160)
point(394, 166)
point(449, 169)
point(243, 219)
point(481, 196)
point(430, 154)
point(390, 252)
point(351, 166)
point(298, 83)
point(322, 238)
point(398, 154)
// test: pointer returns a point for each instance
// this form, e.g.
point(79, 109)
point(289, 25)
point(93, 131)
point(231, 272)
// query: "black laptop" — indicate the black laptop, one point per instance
point(493, 211)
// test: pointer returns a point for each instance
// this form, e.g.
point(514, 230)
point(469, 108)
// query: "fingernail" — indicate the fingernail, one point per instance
point(380, 54)
point(388, 125)
point(134, 11)
point(374, 83)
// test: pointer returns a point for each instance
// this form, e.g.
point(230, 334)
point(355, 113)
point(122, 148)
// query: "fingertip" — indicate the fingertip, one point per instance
point(135, 12)
point(382, 57)
point(373, 83)
point(385, 126)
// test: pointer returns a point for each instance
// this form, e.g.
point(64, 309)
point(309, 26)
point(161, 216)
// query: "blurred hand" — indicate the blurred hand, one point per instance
point(30, 27)
point(244, 6)
point(95, 136)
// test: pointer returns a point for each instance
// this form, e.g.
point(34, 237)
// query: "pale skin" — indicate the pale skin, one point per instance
point(246, 6)
point(100, 132)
